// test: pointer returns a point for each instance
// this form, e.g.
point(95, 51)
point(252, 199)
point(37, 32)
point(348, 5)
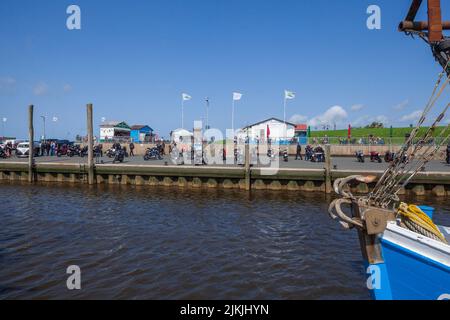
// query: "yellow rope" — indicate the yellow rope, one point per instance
point(415, 219)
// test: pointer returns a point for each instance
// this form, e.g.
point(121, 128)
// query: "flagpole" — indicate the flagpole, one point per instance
point(284, 116)
point(232, 116)
point(182, 112)
point(207, 111)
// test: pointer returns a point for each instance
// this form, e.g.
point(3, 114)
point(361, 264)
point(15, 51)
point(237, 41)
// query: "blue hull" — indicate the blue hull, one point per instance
point(410, 271)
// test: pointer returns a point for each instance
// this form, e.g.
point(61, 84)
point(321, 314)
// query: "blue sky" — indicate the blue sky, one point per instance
point(133, 59)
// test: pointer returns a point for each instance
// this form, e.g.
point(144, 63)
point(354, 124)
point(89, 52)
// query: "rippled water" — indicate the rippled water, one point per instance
point(158, 243)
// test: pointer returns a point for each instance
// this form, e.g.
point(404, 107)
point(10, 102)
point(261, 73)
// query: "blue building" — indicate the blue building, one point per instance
point(141, 134)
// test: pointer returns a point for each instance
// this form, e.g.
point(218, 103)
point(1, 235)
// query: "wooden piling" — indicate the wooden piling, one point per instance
point(31, 144)
point(90, 132)
point(247, 167)
point(328, 187)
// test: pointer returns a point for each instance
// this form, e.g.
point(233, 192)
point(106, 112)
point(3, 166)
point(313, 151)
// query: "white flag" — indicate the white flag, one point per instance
point(55, 119)
point(289, 95)
point(186, 97)
point(237, 96)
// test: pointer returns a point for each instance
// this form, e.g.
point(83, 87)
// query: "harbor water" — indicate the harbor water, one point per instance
point(169, 243)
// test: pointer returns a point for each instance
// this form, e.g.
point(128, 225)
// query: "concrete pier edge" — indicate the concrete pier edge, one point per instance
point(293, 180)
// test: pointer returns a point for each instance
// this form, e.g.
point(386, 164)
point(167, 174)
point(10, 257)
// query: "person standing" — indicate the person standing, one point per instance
point(298, 155)
point(131, 149)
point(8, 149)
point(52, 148)
point(47, 148)
point(163, 148)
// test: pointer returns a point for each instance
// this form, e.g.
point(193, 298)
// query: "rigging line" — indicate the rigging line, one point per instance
point(397, 164)
point(429, 102)
point(394, 197)
point(424, 158)
point(401, 174)
point(425, 161)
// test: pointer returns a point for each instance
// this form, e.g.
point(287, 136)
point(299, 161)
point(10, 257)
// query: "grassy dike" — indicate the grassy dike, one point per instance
point(384, 133)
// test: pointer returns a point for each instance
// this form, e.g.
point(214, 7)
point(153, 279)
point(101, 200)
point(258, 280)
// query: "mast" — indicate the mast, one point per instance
point(431, 31)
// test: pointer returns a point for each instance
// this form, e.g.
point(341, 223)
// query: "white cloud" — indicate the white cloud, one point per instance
point(7, 84)
point(7, 81)
point(366, 120)
point(413, 116)
point(402, 105)
point(67, 88)
point(40, 89)
point(298, 118)
point(361, 121)
point(334, 115)
point(382, 118)
point(357, 107)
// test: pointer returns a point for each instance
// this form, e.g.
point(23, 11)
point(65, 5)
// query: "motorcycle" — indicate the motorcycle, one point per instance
point(72, 151)
point(77, 151)
point(152, 154)
point(119, 156)
point(360, 156)
point(110, 153)
point(318, 155)
point(375, 157)
point(62, 150)
point(82, 152)
point(389, 156)
point(270, 154)
point(285, 156)
point(3, 153)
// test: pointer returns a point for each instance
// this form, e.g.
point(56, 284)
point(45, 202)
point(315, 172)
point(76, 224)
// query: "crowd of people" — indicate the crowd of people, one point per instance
point(48, 148)
point(370, 140)
point(8, 149)
point(313, 154)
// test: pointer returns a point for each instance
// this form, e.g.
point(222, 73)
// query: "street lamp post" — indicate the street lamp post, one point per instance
point(43, 119)
point(3, 126)
point(207, 112)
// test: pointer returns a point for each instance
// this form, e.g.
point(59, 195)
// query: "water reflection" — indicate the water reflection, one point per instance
point(166, 243)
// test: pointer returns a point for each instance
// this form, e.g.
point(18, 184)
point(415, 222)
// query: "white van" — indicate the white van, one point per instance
point(23, 149)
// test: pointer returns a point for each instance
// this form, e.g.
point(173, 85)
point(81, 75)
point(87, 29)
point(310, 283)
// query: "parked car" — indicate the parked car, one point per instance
point(23, 149)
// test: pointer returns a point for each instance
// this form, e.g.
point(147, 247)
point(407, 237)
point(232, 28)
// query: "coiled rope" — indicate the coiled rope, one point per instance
point(414, 219)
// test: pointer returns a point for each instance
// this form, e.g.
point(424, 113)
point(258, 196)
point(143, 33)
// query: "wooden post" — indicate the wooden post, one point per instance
point(90, 132)
point(31, 144)
point(328, 187)
point(247, 166)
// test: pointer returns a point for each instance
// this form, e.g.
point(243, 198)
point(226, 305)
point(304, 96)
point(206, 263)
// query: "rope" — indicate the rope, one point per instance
point(416, 220)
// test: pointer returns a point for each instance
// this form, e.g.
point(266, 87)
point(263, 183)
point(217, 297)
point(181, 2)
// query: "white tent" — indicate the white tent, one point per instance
point(181, 135)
